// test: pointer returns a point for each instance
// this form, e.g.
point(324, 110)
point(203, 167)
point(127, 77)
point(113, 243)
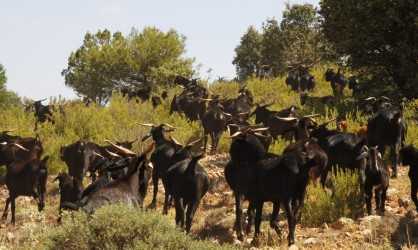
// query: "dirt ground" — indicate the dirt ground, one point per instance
point(398, 229)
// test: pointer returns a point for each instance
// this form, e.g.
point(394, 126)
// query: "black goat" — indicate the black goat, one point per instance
point(409, 156)
point(246, 149)
point(377, 175)
point(26, 178)
point(214, 123)
point(69, 189)
point(284, 179)
point(187, 182)
point(161, 158)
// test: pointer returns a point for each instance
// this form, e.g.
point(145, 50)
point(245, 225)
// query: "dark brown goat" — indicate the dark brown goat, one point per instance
point(25, 178)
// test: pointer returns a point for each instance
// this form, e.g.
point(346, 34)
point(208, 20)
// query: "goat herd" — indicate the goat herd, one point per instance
point(120, 175)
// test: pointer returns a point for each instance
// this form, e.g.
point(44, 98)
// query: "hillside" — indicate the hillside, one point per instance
point(321, 227)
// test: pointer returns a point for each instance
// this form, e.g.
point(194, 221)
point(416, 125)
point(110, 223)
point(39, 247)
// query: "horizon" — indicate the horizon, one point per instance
point(38, 38)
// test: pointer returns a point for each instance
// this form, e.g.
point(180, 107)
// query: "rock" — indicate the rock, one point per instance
point(10, 236)
point(371, 220)
point(343, 223)
point(311, 241)
point(392, 191)
point(293, 247)
point(403, 202)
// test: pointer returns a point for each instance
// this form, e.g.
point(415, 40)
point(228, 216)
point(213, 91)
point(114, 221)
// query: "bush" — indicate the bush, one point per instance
point(119, 227)
point(345, 200)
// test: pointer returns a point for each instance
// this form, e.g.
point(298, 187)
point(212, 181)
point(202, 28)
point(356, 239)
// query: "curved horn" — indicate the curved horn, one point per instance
point(261, 135)
point(113, 154)
point(236, 134)
point(311, 116)
point(175, 141)
point(371, 98)
point(121, 149)
point(227, 114)
point(194, 142)
point(42, 100)
point(147, 124)
point(287, 119)
point(168, 125)
point(260, 129)
point(20, 146)
point(385, 98)
point(101, 156)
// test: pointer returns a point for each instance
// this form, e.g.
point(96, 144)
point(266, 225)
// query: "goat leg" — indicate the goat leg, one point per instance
point(378, 198)
point(13, 207)
point(291, 221)
point(368, 197)
point(6, 209)
point(155, 191)
point(274, 220)
point(191, 210)
point(414, 190)
point(258, 215)
point(250, 217)
point(179, 212)
point(238, 217)
point(383, 201)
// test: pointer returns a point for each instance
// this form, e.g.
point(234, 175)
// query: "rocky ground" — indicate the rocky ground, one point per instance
point(398, 229)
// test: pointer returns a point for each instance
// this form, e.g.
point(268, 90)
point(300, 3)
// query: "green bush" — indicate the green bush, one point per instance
point(119, 227)
point(325, 206)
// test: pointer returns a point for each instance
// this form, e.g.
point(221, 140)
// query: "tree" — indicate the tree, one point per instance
point(107, 61)
point(272, 48)
point(377, 37)
point(248, 56)
point(6, 97)
point(303, 42)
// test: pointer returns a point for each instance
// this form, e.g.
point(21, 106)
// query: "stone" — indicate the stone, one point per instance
point(311, 241)
point(343, 223)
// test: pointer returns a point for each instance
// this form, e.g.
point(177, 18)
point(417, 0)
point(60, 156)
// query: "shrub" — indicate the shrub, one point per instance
point(345, 200)
point(120, 227)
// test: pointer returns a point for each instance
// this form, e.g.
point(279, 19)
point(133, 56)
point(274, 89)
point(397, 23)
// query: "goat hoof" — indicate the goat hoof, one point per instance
point(255, 242)
point(152, 206)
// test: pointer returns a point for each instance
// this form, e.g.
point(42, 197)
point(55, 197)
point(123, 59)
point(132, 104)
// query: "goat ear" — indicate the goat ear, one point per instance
point(148, 150)
point(45, 159)
point(362, 156)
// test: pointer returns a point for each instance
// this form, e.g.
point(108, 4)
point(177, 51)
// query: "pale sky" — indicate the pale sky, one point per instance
point(38, 36)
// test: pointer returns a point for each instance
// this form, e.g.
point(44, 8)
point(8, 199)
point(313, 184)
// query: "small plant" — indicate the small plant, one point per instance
point(345, 200)
point(119, 227)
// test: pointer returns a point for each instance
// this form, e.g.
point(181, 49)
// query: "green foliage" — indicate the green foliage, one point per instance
point(7, 98)
point(248, 57)
point(346, 200)
point(107, 61)
point(297, 43)
point(119, 227)
point(377, 37)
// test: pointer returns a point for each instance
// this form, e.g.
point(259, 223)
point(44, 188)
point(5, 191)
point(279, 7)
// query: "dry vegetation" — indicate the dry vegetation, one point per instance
point(329, 221)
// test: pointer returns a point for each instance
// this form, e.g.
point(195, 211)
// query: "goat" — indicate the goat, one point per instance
point(246, 149)
point(160, 158)
point(26, 178)
point(69, 189)
point(129, 189)
point(284, 179)
point(377, 175)
point(409, 156)
point(187, 182)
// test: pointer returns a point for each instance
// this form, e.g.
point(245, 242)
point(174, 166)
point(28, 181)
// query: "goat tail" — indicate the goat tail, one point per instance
point(70, 206)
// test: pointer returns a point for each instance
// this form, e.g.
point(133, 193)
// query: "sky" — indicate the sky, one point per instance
point(38, 36)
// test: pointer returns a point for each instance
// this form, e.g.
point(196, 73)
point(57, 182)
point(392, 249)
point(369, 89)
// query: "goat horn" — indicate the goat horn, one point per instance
point(287, 119)
point(42, 100)
point(168, 125)
point(370, 98)
point(385, 98)
point(194, 142)
point(206, 100)
point(175, 141)
point(20, 146)
point(121, 149)
point(147, 124)
point(311, 116)
point(261, 135)
point(236, 134)
point(259, 129)
point(112, 154)
point(101, 156)
point(227, 114)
